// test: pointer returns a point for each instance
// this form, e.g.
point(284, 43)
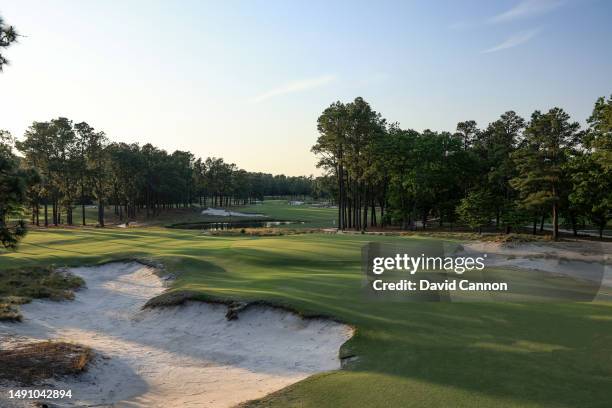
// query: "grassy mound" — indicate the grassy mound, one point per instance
point(9, 313)
point(32, 362)
point(19, 286)
point(172, 298)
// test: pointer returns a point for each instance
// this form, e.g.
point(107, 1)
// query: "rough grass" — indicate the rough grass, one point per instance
point(261, 232)
point(32, 362)
point(9, 313)
point(38, 282)
point(19, 286)
point(486, 237)
point(173, 298)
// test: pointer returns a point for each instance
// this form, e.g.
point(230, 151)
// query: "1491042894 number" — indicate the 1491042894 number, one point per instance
point(35, 394)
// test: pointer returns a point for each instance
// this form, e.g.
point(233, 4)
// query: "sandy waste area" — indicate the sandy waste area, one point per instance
point(179, 356)
point(220, 212)
point(582, 260)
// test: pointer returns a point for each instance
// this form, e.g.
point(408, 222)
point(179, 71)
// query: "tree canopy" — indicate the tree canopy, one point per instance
point(8, 35)
point(80, 166)
point(504, 175)
point(12, 192)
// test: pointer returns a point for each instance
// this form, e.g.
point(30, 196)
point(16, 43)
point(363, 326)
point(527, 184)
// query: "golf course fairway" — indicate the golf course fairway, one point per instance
point(405, 354)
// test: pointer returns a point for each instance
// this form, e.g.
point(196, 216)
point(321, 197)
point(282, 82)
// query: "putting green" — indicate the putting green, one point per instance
point(408, 354)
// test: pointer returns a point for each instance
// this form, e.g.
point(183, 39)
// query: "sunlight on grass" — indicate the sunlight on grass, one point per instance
point(409, 354)
point(521, 347)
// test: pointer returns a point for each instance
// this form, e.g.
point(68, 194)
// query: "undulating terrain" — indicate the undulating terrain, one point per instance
point(405, 354)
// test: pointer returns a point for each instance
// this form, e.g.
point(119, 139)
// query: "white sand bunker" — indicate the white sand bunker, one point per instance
point(220, 212)
point(180, 356)
point(587, 260)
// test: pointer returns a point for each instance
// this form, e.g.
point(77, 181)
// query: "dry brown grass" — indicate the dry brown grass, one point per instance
point(32, 362)
point(19, 286)
point(9, 313)
point(515, 238)
point(473, 236)
point(9, 308)
point(262, 232)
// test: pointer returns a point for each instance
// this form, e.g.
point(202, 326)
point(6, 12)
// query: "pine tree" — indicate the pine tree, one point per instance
point(549, 142)
point(13, 183)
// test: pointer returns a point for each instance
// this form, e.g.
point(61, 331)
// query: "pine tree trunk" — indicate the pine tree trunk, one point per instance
point(364, 222)
point(350, 214)
point(555, 220)
point(373, 217)
point(100, 213)
point(555, 215)
point(341, 196)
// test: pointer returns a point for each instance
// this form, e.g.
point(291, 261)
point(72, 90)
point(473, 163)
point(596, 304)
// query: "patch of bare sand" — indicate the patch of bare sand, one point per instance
point(180, 356)
point(587, 260)
point(221, 212)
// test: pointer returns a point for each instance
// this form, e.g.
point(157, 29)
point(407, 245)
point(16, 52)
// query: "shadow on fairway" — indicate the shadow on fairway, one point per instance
point(534, 356)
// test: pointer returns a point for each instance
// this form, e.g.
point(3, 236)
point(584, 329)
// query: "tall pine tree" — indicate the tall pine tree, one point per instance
point(549, 142)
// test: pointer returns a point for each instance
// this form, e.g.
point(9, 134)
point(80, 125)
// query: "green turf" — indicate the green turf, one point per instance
point(275, 209)
point(313, 217)
point(409, 354)
point(310, 216)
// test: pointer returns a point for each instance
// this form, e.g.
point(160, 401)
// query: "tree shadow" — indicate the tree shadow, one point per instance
point(545, 354)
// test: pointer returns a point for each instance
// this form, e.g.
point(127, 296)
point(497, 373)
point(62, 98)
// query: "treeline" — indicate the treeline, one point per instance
point(510, 174)
point(77, 165)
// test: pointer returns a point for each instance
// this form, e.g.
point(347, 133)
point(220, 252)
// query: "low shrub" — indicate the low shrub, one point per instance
point(9, 313)
point(32, 362)
point(19, 286)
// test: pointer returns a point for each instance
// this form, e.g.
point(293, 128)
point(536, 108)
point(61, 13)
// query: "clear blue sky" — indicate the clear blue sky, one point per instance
point(246, 80)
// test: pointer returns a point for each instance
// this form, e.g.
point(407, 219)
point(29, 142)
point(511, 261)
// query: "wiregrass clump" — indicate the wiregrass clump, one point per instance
point(9, 313)
point(19, 286)
point(485, 237)
point(31, 362)
point(261, 232)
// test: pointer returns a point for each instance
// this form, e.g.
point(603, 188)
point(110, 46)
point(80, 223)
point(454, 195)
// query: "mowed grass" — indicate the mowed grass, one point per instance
point(312, 217)
point(408, 354)
point(279, 210)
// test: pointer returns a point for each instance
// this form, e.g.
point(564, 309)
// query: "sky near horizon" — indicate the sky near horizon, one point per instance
point(246, 80)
